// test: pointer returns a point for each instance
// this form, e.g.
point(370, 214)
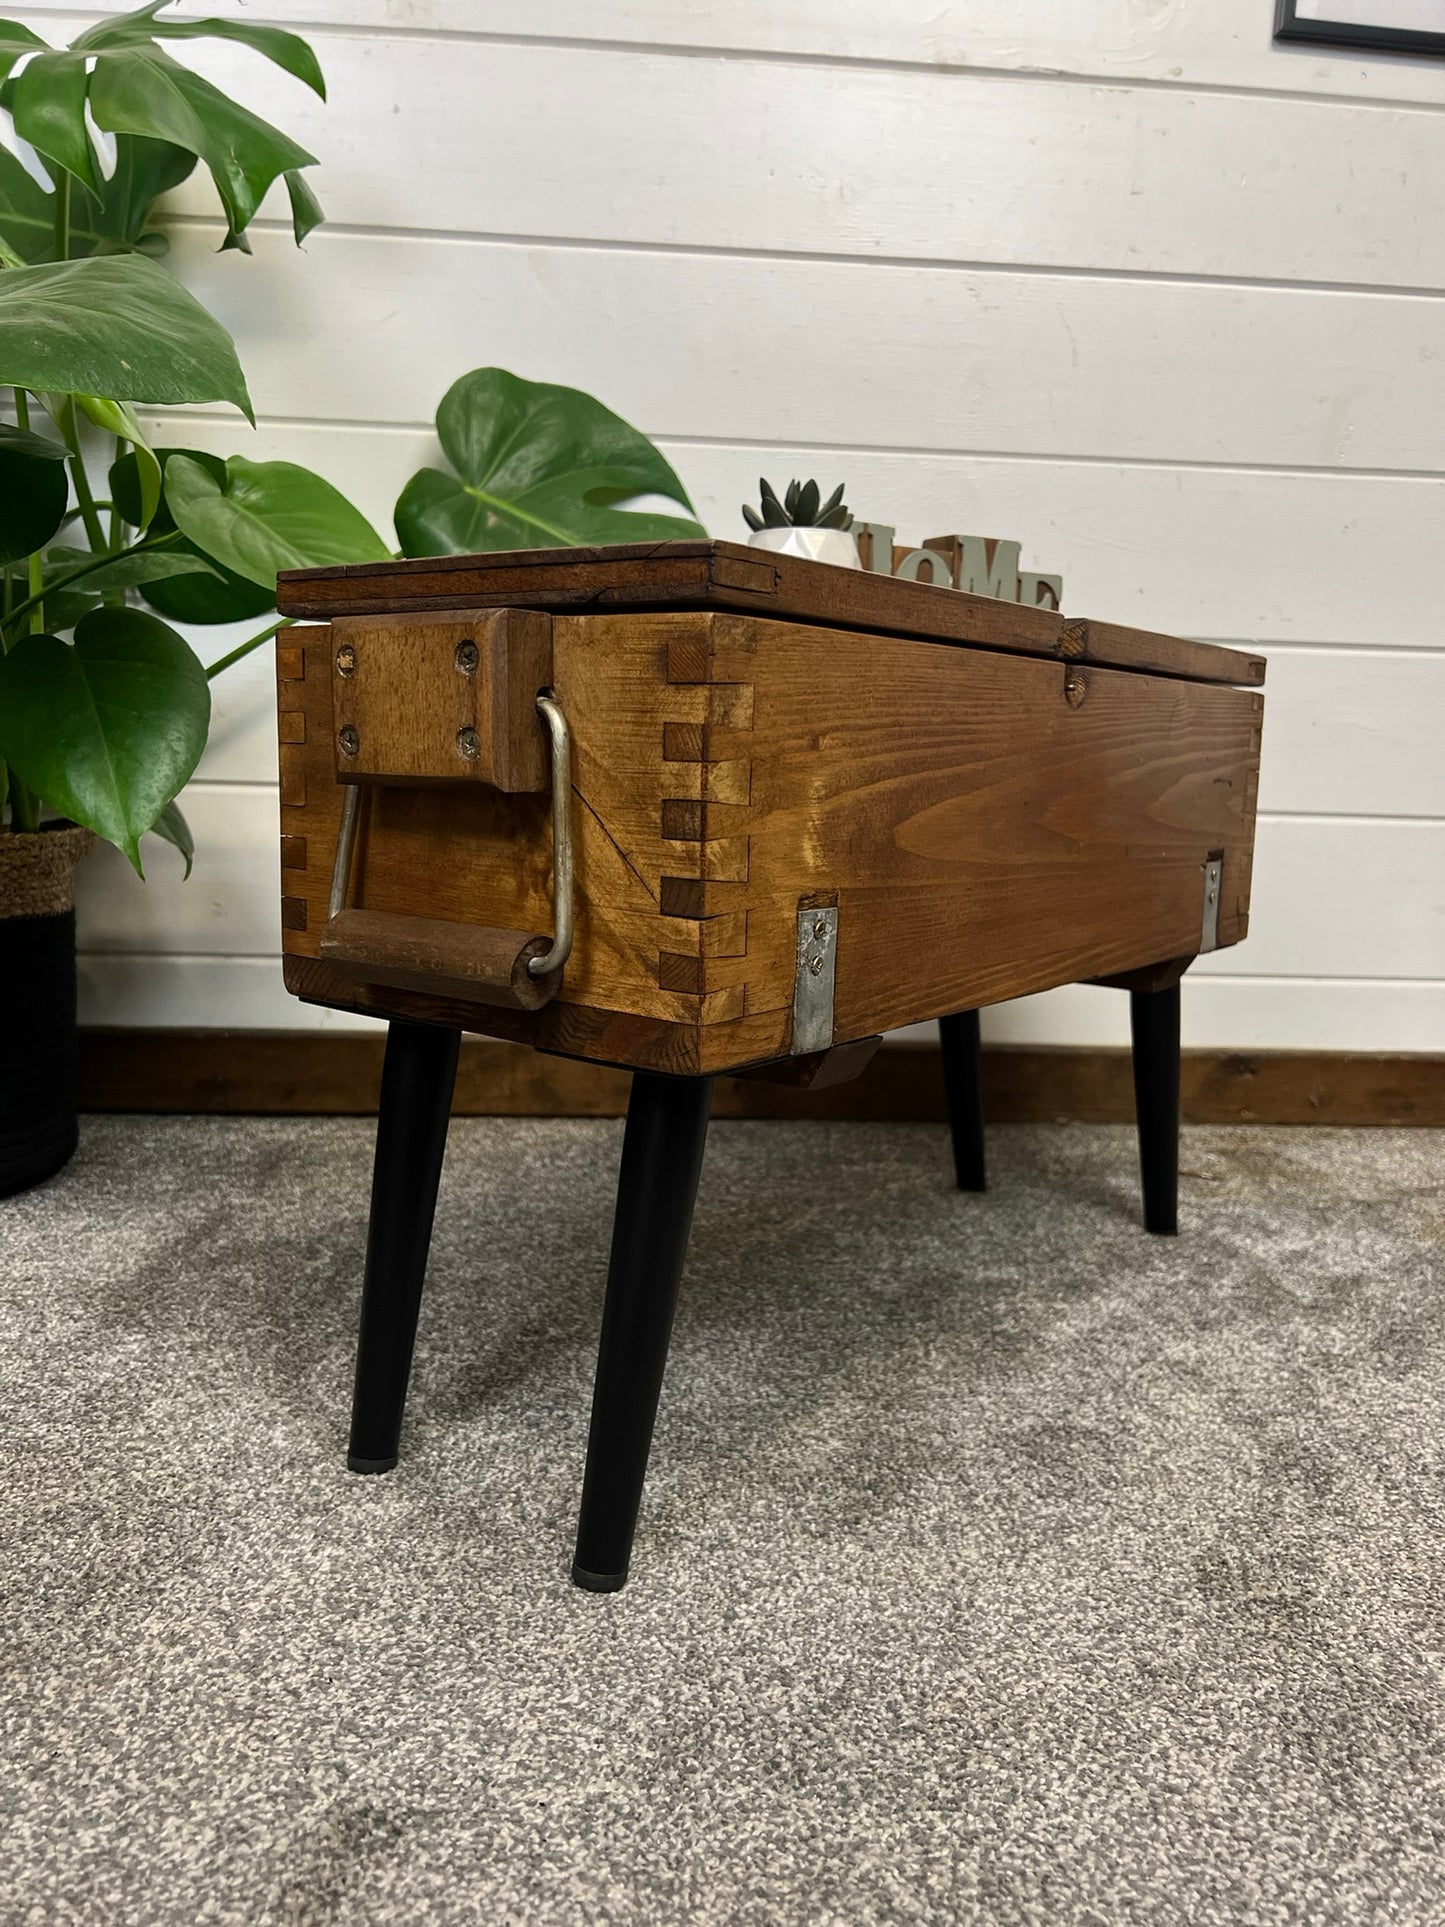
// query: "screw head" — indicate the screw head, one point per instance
point(820, 929)
point(346, 660)
point(815, 964)
point(467, 656)
point(469, 744)
point(350, 740)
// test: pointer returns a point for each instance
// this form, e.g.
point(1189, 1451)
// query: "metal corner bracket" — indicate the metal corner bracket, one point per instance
point(1213, 890)
point(813, 984)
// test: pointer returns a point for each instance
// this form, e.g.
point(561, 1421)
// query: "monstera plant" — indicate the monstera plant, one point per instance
point(108, 540)
point(104, 705)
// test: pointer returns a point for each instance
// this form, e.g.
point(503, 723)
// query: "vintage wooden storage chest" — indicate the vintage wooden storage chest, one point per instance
point(996, 799)
point(804, 806)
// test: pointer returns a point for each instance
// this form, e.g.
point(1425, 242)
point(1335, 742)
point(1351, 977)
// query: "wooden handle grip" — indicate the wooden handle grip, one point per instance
point(469, 961)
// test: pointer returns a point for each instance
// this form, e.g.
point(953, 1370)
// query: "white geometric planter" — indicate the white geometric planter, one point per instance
point(818, 545)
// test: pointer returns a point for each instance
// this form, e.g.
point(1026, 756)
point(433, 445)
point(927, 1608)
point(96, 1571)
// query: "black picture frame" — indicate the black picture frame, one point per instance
point(1349, 33)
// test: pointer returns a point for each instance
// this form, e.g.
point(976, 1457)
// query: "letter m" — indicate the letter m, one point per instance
point(987, 567)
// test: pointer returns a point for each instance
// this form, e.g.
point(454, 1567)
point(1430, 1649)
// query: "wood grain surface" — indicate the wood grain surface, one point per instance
point(452, 700)
point(990, 824)
point(729, 575)
point(986, 835)
point(465, 960)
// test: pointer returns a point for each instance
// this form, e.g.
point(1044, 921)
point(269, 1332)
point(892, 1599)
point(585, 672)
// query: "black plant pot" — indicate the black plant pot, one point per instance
point(37, 1013)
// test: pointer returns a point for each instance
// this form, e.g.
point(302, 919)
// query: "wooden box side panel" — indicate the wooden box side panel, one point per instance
point(990, 825)
point(470, 854)
point(308, 828)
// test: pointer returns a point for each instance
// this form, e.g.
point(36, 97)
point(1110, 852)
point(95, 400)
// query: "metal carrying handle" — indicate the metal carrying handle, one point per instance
point(560, 735)
point(345, 844)
point(551, 713)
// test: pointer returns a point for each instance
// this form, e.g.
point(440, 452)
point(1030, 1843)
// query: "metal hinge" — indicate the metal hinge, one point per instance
point(813, 985)
point(1213, 886)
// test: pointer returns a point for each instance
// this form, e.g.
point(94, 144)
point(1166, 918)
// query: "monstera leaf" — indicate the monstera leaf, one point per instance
point(48, 103)
point(114, 325)
point(118, 72)
point(118, 418)
point(108, 728)
point(174, 828)
point(27, 212)
point(112, 221)
point(34, 491)
point(129, 571)
point(149, 93)
point(141, 28)
point(267, 516)
point(116, 219)
point(16, 41)
point(536, 466)
point(183, 593)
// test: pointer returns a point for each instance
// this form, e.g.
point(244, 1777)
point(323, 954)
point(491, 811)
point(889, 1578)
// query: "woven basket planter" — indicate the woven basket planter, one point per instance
point(37, 1015)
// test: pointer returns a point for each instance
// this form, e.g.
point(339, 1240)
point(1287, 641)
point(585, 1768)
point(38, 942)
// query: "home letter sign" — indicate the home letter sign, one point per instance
point(978, 564)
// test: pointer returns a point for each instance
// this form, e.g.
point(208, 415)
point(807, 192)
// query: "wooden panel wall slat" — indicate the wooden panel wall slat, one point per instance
point(1042, 364)
point(1194, 552)
point(1227, 45)
point(954, 166)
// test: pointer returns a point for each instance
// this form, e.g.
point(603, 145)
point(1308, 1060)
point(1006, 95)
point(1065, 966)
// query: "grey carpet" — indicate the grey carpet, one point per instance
point(998, 1562)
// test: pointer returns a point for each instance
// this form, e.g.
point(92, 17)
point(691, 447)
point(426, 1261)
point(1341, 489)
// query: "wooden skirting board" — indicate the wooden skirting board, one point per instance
point(286, 1073)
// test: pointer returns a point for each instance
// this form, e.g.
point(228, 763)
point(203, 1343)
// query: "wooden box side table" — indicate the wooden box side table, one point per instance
point(796, 807)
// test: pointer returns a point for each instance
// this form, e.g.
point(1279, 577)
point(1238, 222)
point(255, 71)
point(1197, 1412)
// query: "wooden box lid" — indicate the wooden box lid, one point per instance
point(729, 575)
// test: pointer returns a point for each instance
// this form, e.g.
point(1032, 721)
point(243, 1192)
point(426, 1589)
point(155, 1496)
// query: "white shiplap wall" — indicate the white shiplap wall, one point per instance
point(1124, 280)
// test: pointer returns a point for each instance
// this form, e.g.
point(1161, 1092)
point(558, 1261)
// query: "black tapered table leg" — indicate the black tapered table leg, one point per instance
point(963, 1087)
point(661, 1158)
point(417, 1078)
point(1154, 1023)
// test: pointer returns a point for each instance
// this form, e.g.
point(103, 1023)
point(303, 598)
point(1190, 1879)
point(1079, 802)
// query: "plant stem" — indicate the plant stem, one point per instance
point(34, 607)
point(245, 648)
point(24, 804)
point(115, 521)
point(34, 604)
point(85, 568)
point(24, 807)
point(65, 419)
point(95, 534)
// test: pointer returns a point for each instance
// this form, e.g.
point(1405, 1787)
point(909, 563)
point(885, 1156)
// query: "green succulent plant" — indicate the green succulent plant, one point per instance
point(801, 508)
